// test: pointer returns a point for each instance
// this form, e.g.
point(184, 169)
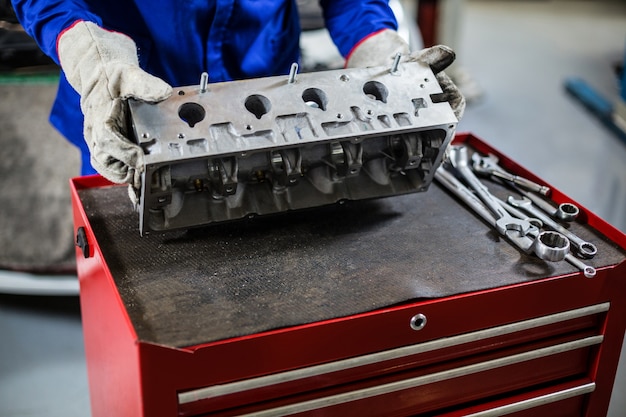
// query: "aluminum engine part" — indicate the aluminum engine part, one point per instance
point(227, 151)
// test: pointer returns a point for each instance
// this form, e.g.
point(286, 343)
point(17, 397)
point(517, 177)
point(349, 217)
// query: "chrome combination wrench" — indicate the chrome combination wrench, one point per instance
point(488, 165)
point(510, 220)
point(504, 221)
point(520, 231)
point(549, 246)
point(585, 249)
point(567, 212)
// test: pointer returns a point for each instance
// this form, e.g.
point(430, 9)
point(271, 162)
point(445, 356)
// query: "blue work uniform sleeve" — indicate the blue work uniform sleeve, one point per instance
point(45, 20)
point(350, 21)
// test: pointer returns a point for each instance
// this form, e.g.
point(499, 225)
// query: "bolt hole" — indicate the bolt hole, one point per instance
point(258, 105)
point(315, 98)
point(191, 113)
point(376, 90)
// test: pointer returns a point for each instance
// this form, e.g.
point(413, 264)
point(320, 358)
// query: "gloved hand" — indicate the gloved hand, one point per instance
point(103, 68)
point(382, 47)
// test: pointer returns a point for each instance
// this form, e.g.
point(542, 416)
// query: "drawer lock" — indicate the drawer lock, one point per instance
point(418, 321)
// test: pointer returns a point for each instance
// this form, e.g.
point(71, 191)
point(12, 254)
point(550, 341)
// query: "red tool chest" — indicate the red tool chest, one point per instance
point(409, 306)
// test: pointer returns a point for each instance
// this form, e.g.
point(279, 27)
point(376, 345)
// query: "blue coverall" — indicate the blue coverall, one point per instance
point(178, 40)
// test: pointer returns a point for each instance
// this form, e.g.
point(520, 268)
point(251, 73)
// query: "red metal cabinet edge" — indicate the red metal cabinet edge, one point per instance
point(111, 346)
point(134, 372)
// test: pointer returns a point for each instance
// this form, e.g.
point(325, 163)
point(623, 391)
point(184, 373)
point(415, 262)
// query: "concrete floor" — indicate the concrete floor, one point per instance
point(519, 52)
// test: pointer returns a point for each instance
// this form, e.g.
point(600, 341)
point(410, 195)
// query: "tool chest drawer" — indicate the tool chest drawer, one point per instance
point(429, 376)
point(563, 400)
point(408, 306)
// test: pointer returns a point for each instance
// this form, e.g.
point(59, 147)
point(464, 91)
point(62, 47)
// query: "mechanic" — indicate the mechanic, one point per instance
point(113, 50)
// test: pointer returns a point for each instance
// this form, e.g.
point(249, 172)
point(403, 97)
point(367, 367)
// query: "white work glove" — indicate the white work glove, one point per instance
point(103, 68)
point(381, 49)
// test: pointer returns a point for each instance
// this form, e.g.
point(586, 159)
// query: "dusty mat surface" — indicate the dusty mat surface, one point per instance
point(229, 280)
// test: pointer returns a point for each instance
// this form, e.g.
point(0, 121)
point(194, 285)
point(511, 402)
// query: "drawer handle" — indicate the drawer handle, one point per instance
point(537, 401)
point(418, 321)
point(213, 391)
point(418, 381)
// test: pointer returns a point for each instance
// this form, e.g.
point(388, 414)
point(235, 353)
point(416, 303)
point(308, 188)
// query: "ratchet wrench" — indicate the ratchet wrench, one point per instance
point(488, 165)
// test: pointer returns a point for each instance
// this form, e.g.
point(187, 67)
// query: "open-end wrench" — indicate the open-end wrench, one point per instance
point(585, 249)
point(519, 214)
point(567, 212)
point(549, 246)
point(504, 221)
point(488, 165)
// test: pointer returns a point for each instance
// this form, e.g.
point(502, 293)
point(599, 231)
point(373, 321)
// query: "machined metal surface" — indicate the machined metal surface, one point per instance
point(226, 151)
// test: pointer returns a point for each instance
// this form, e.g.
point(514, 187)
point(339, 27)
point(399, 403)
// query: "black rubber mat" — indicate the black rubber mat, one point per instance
point(213, 283)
